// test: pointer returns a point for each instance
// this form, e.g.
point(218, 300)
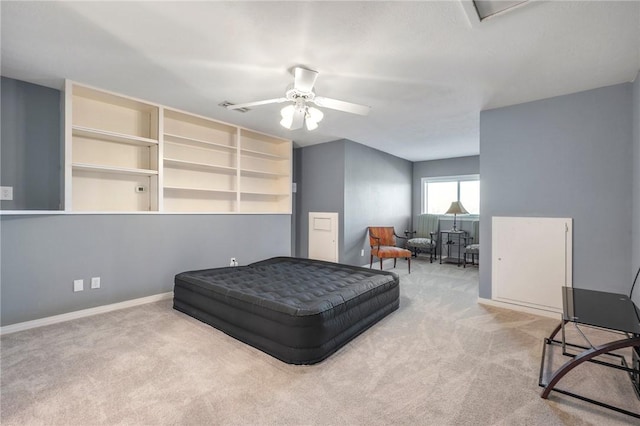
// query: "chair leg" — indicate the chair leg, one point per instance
point(381, 264)
point(371, 262)
point(409, 263)
point(394, 262)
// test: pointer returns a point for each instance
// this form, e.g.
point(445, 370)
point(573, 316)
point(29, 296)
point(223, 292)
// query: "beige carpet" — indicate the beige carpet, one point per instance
point(440, 359)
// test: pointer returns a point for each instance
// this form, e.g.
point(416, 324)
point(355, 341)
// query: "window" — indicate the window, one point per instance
point(439, 193)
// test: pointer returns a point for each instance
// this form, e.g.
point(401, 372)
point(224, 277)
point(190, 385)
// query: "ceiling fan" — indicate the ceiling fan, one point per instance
point(301, 94)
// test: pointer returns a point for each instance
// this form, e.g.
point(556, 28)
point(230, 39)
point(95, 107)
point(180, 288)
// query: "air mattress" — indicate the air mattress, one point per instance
point(297, 310)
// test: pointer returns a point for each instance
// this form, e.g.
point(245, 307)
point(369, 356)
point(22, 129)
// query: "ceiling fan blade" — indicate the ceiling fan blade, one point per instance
point(257, 103)
point(304, 79)
point(341, 105)
point(298, 119)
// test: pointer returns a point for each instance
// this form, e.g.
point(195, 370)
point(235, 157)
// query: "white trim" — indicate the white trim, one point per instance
point(459, 178)
point(425, 180)
point(41, 322)
point(465, 218)
point(519, 308)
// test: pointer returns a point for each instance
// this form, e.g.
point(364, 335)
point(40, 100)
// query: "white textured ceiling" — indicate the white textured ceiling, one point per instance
point(425, 68)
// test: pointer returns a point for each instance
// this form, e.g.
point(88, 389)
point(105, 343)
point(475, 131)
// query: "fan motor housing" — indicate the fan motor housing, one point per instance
point(295, 95)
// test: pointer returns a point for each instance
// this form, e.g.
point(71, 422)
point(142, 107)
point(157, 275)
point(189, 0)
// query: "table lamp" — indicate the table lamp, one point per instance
point(455, 209)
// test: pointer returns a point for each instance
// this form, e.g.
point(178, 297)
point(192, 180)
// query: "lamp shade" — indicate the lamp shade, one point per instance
point(294, 115)
point(311, 125)
point(456, 208)
point(314, 114)
point(287, 116)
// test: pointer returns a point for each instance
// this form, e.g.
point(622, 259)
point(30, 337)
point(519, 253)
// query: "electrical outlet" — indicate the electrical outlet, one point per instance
point(95, 282)
point(233, 262)
point(362, 252)
point(6, 193)
point(78, 285)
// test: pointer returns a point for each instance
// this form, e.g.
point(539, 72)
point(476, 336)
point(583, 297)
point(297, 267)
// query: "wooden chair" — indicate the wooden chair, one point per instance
point(383, 245)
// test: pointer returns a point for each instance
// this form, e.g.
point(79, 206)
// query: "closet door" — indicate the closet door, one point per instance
point(531, 260)
point(323, 236)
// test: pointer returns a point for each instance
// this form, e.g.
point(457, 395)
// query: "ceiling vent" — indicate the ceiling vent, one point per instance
point(488, 8)
point(225, 104)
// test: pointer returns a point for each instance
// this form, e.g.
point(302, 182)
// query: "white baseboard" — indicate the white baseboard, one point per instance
point(519, 308)
point(21, 326)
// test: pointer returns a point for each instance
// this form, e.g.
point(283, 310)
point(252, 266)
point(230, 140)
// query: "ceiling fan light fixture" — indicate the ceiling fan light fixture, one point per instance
point(287, 116)
point(314, 114)
point(311, 124)
point(287, 111)
point(286, 122)
point(301, 94)
point(312, 117)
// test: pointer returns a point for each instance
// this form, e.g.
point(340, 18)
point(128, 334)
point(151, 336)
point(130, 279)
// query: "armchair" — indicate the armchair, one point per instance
point(383, 245)
point(472, 245)
point(425, 238)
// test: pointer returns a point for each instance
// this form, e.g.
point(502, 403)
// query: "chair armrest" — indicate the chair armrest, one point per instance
point(398, 236)
point(407, 233)
point(375, 238)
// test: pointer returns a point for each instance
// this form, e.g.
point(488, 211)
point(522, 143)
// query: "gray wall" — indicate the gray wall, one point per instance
point(377, 193)
point(568, 156)
point(135, 256)
point(320, 187)
point(366, 187)
point(296, 201)
point(635, 249)
point(30, 146)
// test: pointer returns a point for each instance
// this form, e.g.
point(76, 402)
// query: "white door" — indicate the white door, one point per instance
point(531, 260)
point(323, 236)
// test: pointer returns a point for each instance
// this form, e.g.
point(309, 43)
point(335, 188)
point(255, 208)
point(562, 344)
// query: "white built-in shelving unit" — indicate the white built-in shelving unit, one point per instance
point(200, 164)
point(265, 172)
point(128, 155)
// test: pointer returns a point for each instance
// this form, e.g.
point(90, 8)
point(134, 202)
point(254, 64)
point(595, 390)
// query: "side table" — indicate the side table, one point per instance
point(611, 311)
point(452, 240)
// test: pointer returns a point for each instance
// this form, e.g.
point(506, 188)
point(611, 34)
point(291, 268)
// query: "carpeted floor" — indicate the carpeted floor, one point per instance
point(440, 359)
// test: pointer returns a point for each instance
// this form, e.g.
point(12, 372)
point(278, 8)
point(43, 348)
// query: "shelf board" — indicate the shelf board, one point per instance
point(110, 169)
point(261, 173)
point(109, 136)
point(263, 194)
point(261, 154)
point(183, 140)
point(181, 164)
point(190, 189)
